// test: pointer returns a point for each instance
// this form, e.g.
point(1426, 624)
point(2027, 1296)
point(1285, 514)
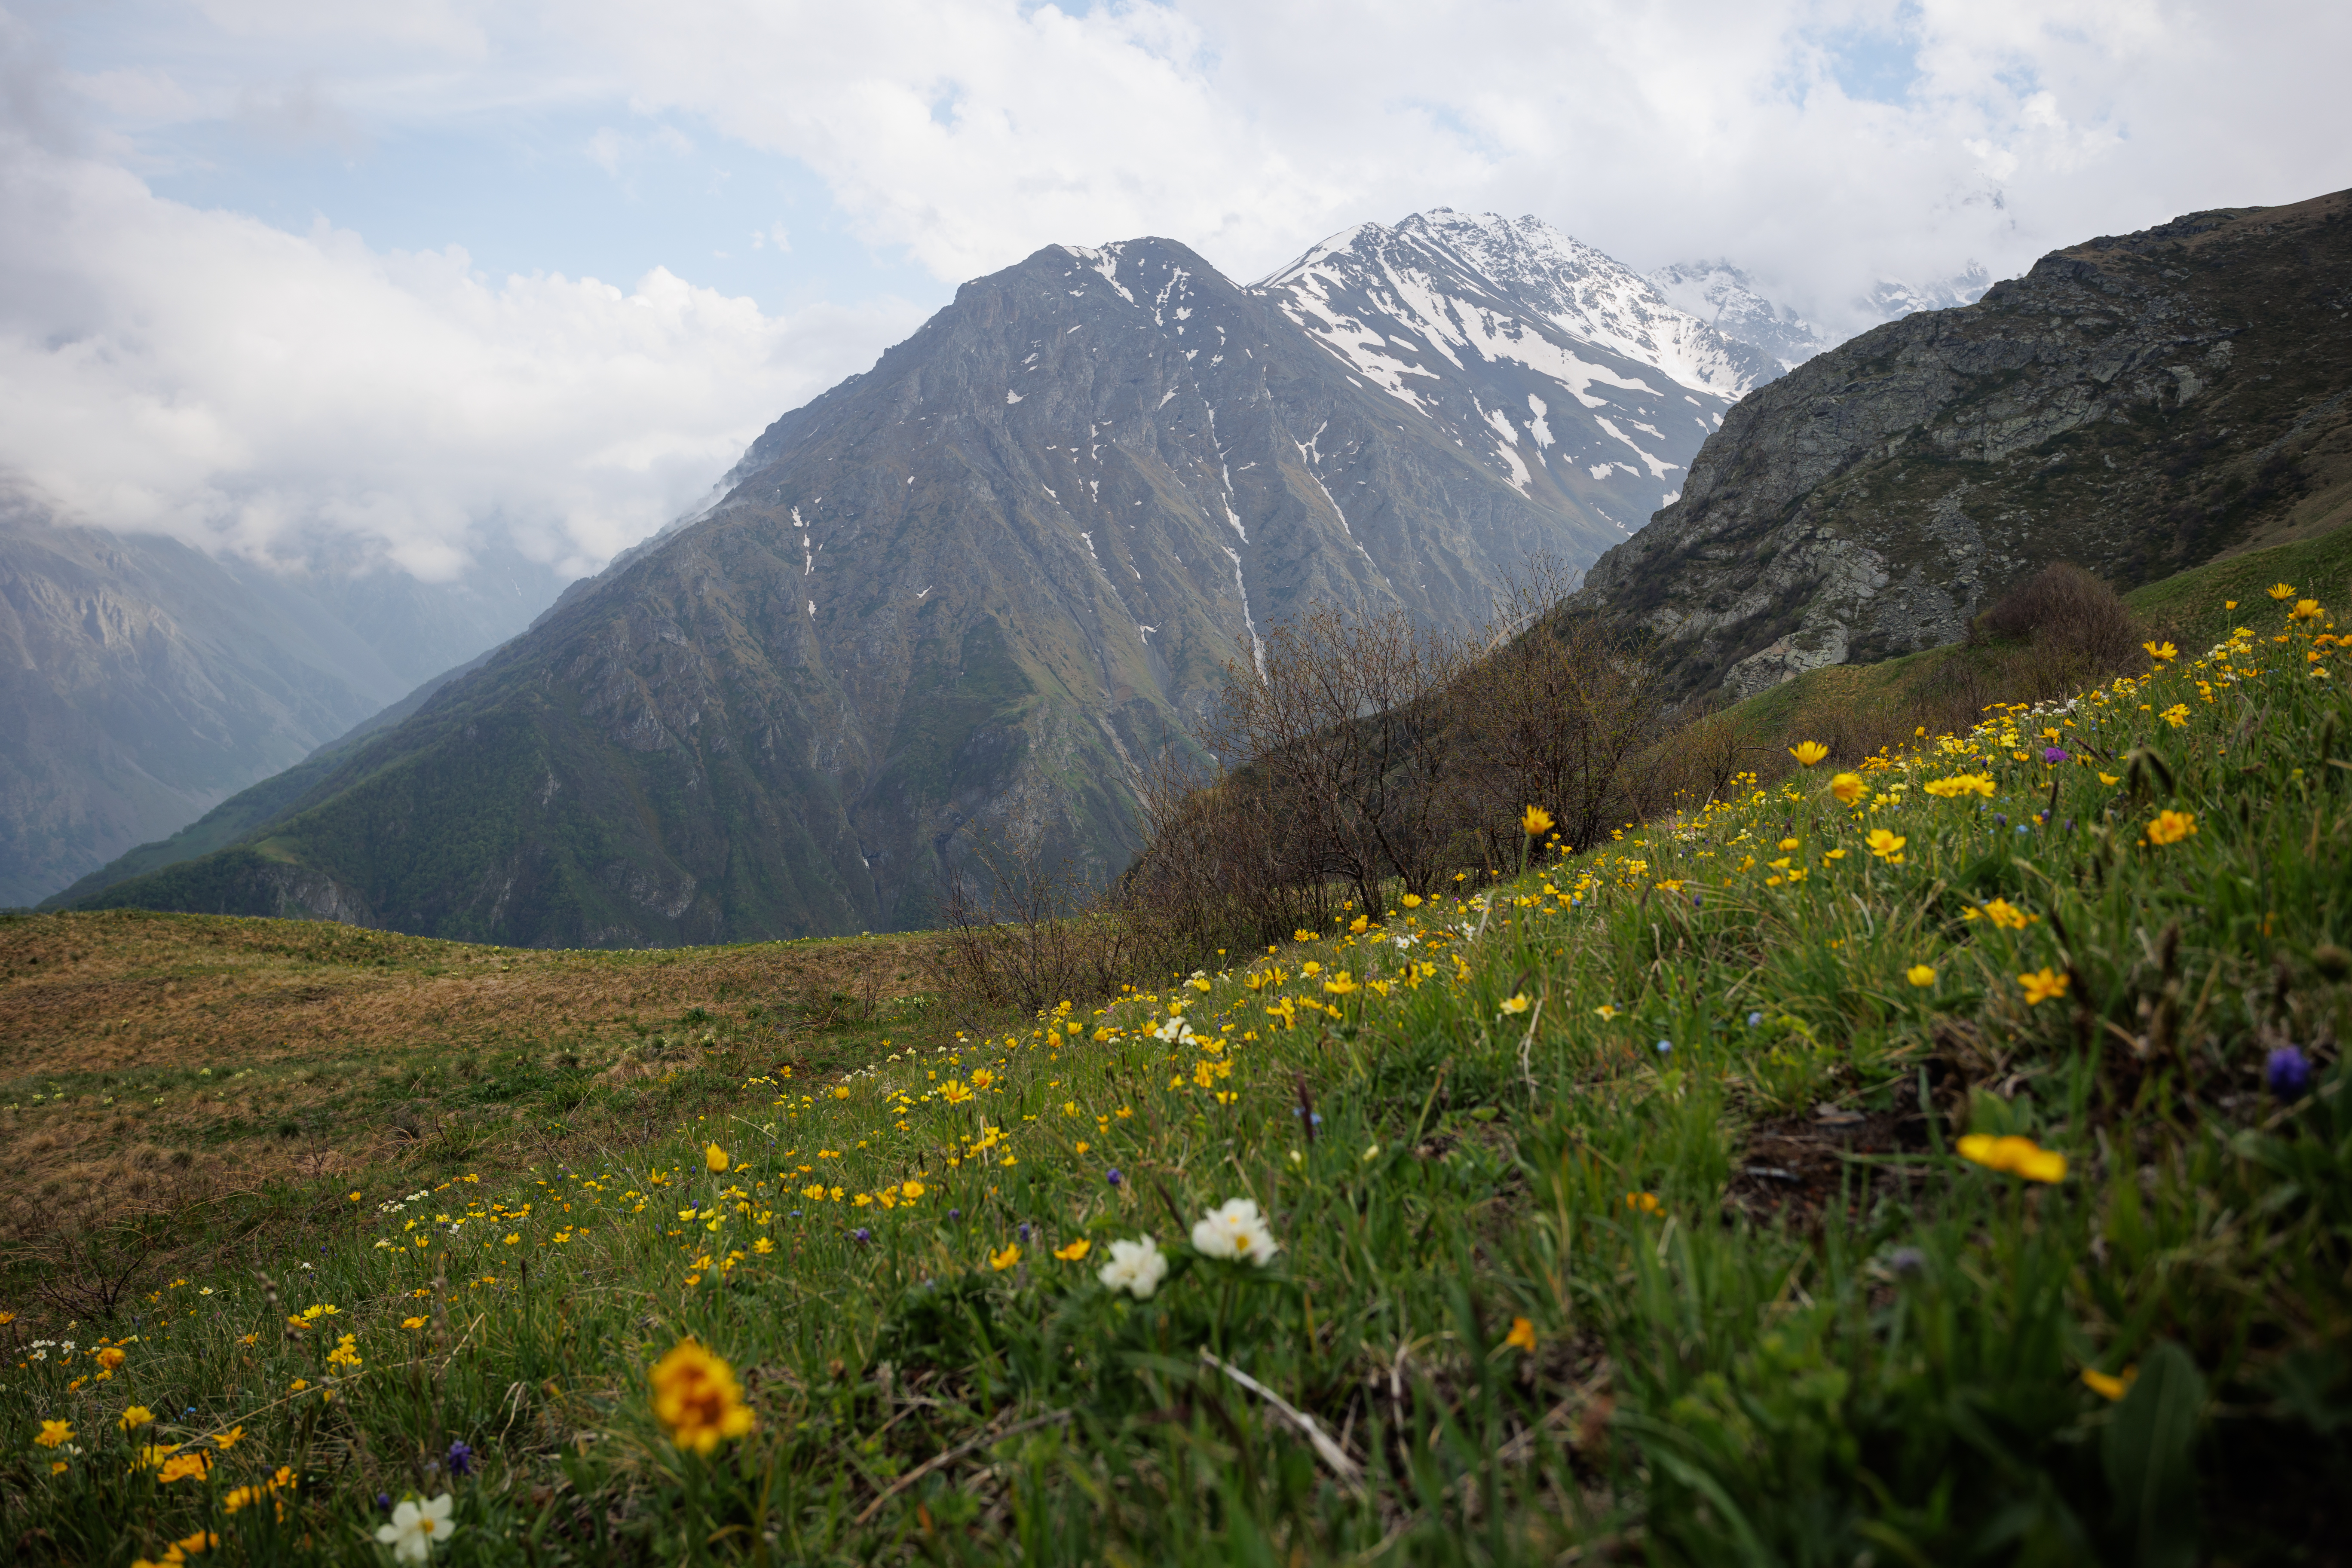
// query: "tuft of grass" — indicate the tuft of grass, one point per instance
point(1642, 1205)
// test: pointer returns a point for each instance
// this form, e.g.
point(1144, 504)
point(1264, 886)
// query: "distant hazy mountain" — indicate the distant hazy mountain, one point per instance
point(1564, 372)
point(1727, 299)
point(1891, 300)
point(141, 681)
point(1730, 300)
point(2135, 405)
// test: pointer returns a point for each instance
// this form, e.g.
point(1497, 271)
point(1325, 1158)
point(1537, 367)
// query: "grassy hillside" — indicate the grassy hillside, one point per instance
point(1864, 1169)
point(151, 1060)
point(1866, 704)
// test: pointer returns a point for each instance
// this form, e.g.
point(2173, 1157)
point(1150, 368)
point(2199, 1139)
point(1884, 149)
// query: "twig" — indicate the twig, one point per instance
point(1330, 1453)
point(1526, 1050)
point(951, 1455)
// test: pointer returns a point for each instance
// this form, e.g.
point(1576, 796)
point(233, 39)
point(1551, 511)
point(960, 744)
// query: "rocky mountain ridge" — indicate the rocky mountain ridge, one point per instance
point(2136, 405)
point(982, 582)
point(978, 586)
point(1563, 371)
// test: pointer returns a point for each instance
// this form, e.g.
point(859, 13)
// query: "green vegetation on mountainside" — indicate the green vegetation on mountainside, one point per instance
point(1868, 704)
point(1942, 1162)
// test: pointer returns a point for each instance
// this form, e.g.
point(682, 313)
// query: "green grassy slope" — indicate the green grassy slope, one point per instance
point(233, 818)
point(1651, 1205)
point(1857, 707)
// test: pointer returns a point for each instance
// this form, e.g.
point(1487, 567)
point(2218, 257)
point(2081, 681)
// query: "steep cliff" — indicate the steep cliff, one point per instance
point(2136, 405)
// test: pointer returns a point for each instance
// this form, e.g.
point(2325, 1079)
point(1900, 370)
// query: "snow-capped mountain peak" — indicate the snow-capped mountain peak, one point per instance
point(1727, 299)
point(1562, 370)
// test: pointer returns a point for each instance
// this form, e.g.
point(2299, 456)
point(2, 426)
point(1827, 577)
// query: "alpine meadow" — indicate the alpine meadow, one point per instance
point(1471, 906)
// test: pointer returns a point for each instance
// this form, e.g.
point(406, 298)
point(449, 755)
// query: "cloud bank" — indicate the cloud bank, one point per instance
point(194, 371)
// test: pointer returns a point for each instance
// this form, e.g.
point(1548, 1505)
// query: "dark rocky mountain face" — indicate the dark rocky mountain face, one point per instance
point(1562, 372)
point(987, 579)
point(2136, 406)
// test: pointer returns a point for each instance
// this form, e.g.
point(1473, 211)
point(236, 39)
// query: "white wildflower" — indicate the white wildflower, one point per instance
point(1136, 1266)
point(416, 1526)
point(1236, 1230)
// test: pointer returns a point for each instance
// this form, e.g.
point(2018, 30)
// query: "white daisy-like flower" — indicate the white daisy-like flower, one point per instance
point(1236, 1230)
point(1136, 1266)
point(417, 1527)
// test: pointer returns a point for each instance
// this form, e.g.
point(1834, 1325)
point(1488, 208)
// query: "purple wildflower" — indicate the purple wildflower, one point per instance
point(461, 1458)
point(2054, 755)
point(2288, 1073)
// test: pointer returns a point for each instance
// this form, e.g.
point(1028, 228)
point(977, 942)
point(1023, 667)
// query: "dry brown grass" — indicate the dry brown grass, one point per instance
point(145, 1057)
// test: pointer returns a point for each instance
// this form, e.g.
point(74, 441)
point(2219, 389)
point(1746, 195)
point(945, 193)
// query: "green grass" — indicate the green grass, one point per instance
point(2193, 608)
point(1684, 1113)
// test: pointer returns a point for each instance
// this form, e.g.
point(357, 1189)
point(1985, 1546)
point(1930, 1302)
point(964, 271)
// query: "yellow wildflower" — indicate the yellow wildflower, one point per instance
point(183, 1466)
point(1808, 752)
point(1522, 1336)
point(1921, 974)
point(2043, 985)
point(55, 1434)
point(1536, 820)
point(136, 1417)
point(2108, 1386)
point(1849, 789)
point(1517, 1004)
point(696, 1399)
point(1885, 845)
point(1644, 1203)
point(2282, 590)
point(714, 1159)
point(1075, 1251)
point(2172, 827)
point(1000, 1261)
point(2162, 652)
point(2014, 1156)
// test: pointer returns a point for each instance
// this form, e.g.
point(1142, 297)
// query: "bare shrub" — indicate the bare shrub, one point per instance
point(1021, 933)
point(1561, 713)
point(2067, 614)
point(1224, 866)
point(1362, 758)
point(1342, 722)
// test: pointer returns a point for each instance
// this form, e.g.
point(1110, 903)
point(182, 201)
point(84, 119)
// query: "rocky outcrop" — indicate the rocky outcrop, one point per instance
point(2136, 406)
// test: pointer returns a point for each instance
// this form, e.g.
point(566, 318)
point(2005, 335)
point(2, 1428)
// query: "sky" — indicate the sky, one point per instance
point(396, 281)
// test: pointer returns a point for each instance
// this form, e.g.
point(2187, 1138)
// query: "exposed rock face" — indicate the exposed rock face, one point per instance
point(986, 579)
point(2136, 406)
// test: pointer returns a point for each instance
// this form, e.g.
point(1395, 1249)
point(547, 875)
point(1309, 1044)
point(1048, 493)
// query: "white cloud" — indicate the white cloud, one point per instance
point(201, 370)
point(975, 132)
point(204, 375)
